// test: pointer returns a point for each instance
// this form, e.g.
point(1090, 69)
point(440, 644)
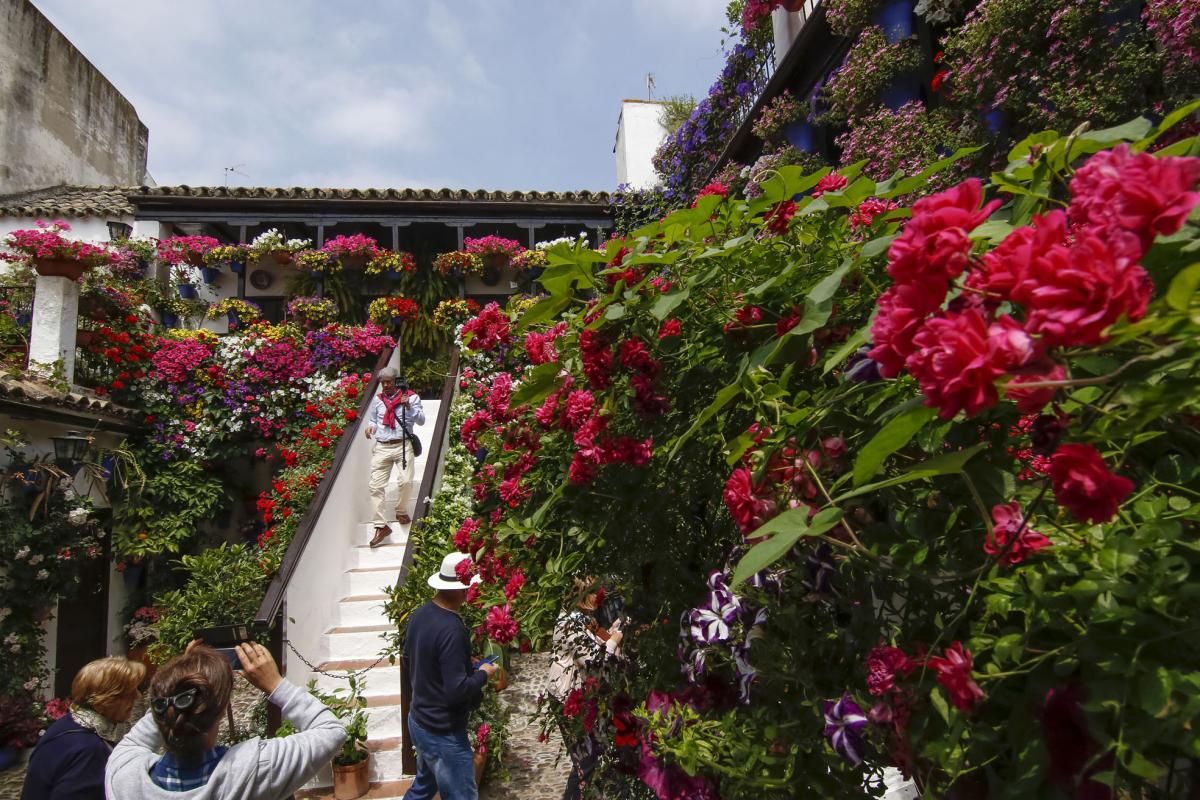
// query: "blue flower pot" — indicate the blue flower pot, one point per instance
point(903, 90)
point(237, 267)
point(9, 756)
point(234, 322)
point(800, 135)
point(996, 120)
point(896, 19)
point(106, 467)
point(210, 274)
point(394, 275)
point(187, 291)
point(169, 320)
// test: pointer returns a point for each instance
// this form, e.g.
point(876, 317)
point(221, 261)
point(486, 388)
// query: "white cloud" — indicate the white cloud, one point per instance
point(447, 33)
point(706, 15)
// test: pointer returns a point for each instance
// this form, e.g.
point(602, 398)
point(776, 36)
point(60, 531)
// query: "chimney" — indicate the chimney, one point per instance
point(639, 133)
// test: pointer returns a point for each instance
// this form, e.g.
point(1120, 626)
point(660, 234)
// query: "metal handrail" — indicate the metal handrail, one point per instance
point(272, 601)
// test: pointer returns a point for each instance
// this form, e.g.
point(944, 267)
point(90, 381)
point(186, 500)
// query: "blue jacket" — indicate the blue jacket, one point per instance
point(445, 685)
point(67, 764)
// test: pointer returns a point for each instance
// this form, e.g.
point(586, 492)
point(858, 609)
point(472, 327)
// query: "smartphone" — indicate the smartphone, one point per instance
point(224, 639)
point(487, 660)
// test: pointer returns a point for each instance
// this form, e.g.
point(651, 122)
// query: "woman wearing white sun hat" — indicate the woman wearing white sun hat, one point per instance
point(446, 686)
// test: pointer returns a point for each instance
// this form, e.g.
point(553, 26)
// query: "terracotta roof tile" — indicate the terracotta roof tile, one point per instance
point(302, 193)
point(33, 393)
point(69, 201)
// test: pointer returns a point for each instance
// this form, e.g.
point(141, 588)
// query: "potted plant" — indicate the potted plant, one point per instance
point(317, 263)
point(495, 252)
point(351, 765)
point(449, 314)
point(392, 311)
point(393, 264)
point(235, 255)
point(313, 312)
point(353, 251)
point(52, 254)
point(458, 263)
point(270, 243)
point(140, 633)
point(235, 310)
point(20, 728)
point(179, 250)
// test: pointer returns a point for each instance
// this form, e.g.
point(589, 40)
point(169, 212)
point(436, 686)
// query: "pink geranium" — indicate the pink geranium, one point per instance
point(953, 670)
point(492, 246)
point(355, 245)
point(935, 245)
point(902, 310)
point(46, 241)
point(185, 249)
point(500, 626)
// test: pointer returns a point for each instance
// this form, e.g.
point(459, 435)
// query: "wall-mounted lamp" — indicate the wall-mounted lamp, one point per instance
point(119, 230)
point(69, 449)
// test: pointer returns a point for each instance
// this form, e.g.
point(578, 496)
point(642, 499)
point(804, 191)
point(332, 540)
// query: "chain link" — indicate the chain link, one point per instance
point(340, 676)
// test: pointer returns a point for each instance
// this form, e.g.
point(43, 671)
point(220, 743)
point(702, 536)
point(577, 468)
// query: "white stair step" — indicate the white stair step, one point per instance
point(360, 612)
point(383, 722)
point(383, 681)
point(355, 644)
point(387, 765)
point(362, 533)
point(369, 581)
point(389, 554)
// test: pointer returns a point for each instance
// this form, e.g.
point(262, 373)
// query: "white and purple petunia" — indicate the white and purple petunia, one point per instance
point(844, 722)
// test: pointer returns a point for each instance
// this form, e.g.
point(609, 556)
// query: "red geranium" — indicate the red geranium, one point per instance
point(833, 182)
point(1083, 484)
point(953, 670)
point(500, 626)
point(954, 365)
point(884, 665)
point(746, 505)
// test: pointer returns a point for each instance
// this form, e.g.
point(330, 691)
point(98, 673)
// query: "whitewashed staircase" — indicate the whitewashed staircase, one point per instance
point(354, 634)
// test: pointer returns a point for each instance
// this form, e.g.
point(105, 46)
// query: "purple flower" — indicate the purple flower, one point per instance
point(844, 722)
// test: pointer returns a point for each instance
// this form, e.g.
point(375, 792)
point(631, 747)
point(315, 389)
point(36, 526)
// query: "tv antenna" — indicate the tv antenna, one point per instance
point(234, 170)
point(650, 86)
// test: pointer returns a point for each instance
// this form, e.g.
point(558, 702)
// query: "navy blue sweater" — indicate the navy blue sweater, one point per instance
point(437, 653)
point(67, 764)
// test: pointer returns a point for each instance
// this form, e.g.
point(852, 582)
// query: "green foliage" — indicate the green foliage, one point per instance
point(224, 586)
point(675, 111)
point(160, 512)
point(347, 704)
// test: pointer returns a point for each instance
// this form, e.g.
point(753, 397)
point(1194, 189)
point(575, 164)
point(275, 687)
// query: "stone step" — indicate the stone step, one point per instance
point(369, 581)
point(383, 721)
point(363, 531)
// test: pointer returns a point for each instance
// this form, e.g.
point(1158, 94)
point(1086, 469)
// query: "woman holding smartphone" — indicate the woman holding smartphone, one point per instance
point(189, 696)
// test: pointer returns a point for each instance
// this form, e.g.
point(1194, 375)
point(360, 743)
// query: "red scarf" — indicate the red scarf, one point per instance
point(389, 417)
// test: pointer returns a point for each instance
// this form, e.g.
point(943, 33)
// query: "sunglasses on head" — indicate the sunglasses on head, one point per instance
point(182, 701)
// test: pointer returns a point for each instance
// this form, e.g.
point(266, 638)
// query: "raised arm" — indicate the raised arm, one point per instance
point(284, 765)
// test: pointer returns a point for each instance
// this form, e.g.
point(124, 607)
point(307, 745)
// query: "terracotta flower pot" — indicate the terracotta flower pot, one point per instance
point(501, 680)
point(138, 653)
point(282, 257)
point(60, 268)
point(194, 259)
point(793, 5)
point(351, 781)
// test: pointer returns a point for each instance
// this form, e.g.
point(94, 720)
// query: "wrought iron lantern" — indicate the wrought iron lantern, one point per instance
point(69, 449)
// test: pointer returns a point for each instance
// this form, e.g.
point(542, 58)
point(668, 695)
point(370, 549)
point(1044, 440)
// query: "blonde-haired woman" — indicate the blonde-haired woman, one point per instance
point(68, 762)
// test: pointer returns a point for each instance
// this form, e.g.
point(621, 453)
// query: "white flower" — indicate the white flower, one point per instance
point(4, 612)
point(23, 552)
point(77, 516)
point(31, 684)
point(42, 575)
point(37, 559)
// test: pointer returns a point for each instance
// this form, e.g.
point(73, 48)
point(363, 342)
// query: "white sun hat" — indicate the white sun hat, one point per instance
point(446, 577)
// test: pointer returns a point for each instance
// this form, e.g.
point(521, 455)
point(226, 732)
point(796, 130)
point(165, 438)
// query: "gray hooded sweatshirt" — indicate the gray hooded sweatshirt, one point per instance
point(256, 769)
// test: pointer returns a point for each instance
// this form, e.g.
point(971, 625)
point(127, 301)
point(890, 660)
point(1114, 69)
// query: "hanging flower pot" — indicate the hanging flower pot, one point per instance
point(282, 257)
point(996, 120)
point(169, 320)
point(490, 275)
point(237, 267)
point(394, 275)
point(801, 135)
point(210, 274)
point(496, 261)
point(896, 19)
point(60, 268)
point(133, 575)
point(188, 291)
point(903, 90)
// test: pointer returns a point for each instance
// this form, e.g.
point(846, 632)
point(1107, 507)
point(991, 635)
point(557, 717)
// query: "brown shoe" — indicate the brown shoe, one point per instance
point(381, 533)
point(403, 519)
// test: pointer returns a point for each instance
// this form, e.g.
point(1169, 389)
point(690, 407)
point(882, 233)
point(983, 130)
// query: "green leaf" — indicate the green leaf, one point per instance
point(1130, 131)
point(856, 340)
point(1119, 555)
point(548, 308)
point(721, 399)
point(939, 704)
point(946, 464)
point(536, 386)
point(663, 307)
point(1183, 288)
point(876, 246)
point(789, 182)
point(785, 530)
point(615, 311)
point(891, 437)
point(908, 185)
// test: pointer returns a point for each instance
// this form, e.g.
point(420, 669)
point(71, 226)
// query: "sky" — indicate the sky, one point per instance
point(467, 94)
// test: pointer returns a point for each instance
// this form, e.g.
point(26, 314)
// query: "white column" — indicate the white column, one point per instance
point(55, 318)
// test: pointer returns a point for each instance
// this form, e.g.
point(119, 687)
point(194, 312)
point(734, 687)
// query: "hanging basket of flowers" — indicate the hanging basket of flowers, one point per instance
point(237, 311)
point(390, 311)
point(458, 263)
point(392, 264)
point(312, 312)
point(271, 244)
point(354, 251)
point(495, 252)
point(317, 263)
point(234, 256)
point(449, 314)
point(190, 250)
point(52, 254)
point(531, 261)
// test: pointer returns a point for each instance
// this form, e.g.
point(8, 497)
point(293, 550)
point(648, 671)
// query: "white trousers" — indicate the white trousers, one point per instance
point(384, 457)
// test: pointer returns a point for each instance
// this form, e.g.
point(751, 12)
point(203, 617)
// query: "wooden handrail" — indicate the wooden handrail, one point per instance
point(408, 756)
point(272, 601)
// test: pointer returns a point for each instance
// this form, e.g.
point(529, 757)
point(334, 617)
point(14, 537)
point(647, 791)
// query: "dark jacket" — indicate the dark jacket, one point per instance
point(445, 685)
point(67, 764)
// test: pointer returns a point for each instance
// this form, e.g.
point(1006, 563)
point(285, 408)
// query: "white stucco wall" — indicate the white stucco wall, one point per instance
point(639, 133)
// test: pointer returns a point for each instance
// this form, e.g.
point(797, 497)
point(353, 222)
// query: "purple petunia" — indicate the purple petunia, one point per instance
point(844, 722)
